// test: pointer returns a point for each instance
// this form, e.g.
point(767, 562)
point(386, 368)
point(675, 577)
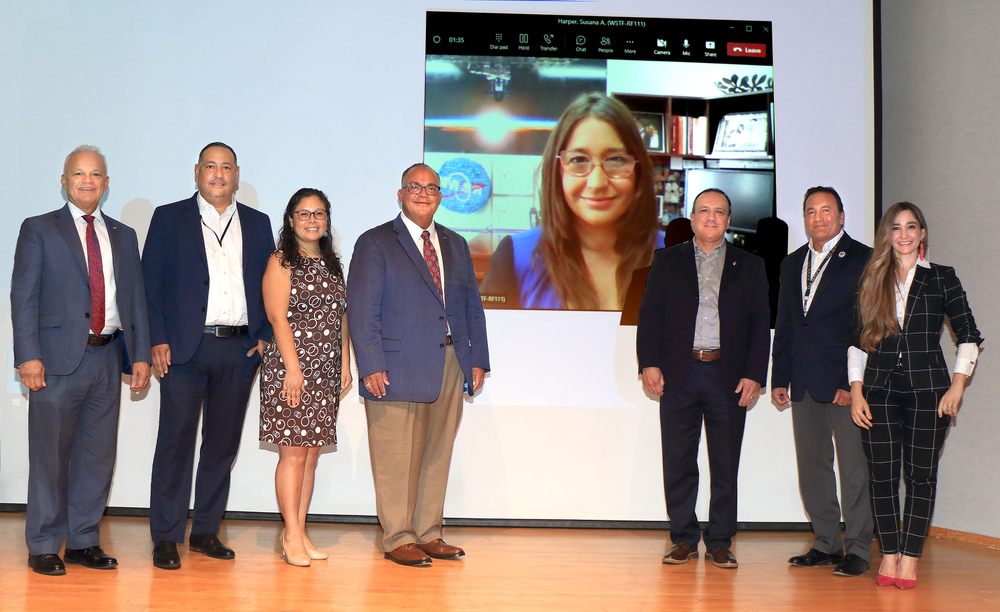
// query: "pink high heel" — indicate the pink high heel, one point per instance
point(881, 580)
point(903, 583)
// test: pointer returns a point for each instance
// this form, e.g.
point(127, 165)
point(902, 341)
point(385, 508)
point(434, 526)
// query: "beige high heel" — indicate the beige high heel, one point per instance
point(296, 560)
point(317, 555)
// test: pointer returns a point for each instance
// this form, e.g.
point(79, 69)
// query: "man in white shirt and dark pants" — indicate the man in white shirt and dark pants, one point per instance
point(204, 262)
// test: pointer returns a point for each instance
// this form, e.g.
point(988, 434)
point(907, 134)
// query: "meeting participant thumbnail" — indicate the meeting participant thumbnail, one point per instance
point(78, 309)
point(599, 219)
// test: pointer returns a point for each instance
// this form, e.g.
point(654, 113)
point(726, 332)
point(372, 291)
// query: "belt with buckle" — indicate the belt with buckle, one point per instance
point(705, 355)
point(448, 340)
point(103, 339)
point(226, 331)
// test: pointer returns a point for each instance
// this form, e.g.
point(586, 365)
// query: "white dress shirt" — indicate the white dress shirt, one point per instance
point(227, 300)
point(819, 263)
point(857, 359)
point(112, 320)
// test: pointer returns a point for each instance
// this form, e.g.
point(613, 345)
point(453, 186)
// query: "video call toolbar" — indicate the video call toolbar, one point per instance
point(575, 36)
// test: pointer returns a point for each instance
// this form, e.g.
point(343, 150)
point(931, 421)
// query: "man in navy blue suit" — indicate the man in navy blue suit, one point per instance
point(78, 310)
point(819, 285)
point(204, 261)
point(702, 340)
point(416, 320)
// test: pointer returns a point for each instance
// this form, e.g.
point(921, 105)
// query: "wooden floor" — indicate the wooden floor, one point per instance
point(505, 569)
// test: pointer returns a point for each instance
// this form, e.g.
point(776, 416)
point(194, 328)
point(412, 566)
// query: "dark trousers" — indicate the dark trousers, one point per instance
point(72, 441)
point(817, 425)
point(906, 433)
point(702, 399)
point(219, 377)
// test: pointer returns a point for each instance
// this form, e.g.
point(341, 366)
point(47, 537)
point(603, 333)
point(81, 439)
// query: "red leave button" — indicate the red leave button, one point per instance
point(746, 49)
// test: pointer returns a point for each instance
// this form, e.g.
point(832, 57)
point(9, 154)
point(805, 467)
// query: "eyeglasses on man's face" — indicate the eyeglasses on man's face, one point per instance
point(303, 215)
point(416, 188)
point(617, 165)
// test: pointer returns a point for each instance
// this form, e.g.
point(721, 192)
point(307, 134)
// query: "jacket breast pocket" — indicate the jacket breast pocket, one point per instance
point(390, 345)
point(49, 320)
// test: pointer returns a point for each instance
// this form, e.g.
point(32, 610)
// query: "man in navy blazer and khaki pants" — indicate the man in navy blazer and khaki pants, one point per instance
point(702, 342)
point(79, 315)
point(819, 285)
point(419, 335)
point(204, 262)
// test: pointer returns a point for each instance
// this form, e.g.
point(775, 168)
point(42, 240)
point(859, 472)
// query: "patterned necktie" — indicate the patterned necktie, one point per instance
point(431, 258)
point(96, 268)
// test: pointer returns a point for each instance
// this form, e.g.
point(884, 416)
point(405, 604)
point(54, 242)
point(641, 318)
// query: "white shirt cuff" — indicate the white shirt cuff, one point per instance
point(965, 363)
point(857, 360)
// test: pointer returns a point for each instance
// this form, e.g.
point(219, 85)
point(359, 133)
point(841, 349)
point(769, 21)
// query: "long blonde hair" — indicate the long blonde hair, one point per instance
point(559, 246)
point(877, 297)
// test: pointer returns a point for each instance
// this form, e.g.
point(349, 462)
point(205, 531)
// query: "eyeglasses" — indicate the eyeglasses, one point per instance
point(303, 215)
point(575, 163)
point(416, 188)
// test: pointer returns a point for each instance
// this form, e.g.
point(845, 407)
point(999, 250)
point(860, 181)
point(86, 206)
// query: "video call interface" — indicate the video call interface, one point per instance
point(699, 94)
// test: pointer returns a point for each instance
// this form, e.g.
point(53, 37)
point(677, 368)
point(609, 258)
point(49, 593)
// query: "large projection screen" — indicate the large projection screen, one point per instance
point(331, 95)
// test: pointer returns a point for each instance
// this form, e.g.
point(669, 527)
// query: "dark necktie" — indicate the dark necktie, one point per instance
point(431, 257)
point(96, 268)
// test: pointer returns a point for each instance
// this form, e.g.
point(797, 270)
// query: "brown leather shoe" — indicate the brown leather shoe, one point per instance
point(722, 557)
point(439, 550)
point(680, 553)
point(408, 554)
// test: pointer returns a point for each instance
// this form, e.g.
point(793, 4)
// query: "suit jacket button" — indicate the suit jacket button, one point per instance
point(206, 282)
point(442, 346)
point(204, 309)
point(805, 325)
point(440, 318)
point(86, 314)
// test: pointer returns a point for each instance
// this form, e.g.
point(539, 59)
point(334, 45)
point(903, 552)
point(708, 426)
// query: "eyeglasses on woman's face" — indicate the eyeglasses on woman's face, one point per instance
point(617, 165)
point(304, 215)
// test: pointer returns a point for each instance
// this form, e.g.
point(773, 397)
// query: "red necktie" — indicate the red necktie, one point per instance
point(96, 269)
point(431, 258)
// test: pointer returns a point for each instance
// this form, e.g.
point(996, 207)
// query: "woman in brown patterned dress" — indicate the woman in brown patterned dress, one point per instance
point(306, 367)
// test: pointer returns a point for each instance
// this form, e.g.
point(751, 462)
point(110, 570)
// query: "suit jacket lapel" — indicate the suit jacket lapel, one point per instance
point(729, 268)
point(247, 232)
point(66, 225)
point(410, 247)
point(445, 256)
point(115, 236)
point(690, 264)
point(832, 266)
point(192, 217)
point(916, 291)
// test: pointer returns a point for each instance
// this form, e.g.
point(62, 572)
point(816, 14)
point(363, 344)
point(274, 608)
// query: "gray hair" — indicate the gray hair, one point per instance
point(86, 149)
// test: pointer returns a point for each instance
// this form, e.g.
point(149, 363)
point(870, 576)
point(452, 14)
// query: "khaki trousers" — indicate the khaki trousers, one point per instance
point(411, 445)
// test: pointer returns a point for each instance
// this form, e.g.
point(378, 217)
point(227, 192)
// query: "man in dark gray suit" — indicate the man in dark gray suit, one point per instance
point(819, 284)
point(78, 308)
point(416, 320)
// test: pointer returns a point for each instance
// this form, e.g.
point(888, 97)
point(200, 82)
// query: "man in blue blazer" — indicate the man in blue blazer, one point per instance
point(419, 335)
point(702, 343)
point(204, 262)
point(78, 310)
point(819, 285)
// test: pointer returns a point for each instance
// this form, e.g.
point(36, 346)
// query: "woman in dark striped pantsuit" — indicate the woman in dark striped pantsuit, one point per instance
point(901, 394)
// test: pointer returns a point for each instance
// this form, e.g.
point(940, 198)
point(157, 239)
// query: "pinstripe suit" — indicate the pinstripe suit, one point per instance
point(904, 380)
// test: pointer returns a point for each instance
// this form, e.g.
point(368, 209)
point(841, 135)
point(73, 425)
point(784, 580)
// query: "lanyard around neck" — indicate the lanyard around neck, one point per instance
point(810, 277)
point(218, 237)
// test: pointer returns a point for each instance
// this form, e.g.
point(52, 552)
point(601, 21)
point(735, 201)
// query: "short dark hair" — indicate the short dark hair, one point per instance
point(820, 189)
point(217, 144)
point(718, 191)
point(402, 179)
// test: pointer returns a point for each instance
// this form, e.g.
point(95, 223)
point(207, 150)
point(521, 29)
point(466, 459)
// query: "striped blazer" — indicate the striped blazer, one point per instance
point(916, 351)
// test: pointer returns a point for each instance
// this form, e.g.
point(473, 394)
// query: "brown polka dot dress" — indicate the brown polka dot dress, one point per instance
point(315, 310)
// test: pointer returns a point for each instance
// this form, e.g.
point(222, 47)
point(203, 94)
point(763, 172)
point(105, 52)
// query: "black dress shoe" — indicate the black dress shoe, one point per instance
point(851, 566)
point(165, 555)
point(92, 557)
point(815, 558)
point(209, 544)
point(47, 565)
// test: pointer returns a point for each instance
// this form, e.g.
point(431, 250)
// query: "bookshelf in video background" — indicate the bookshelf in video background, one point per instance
point(690, 137)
